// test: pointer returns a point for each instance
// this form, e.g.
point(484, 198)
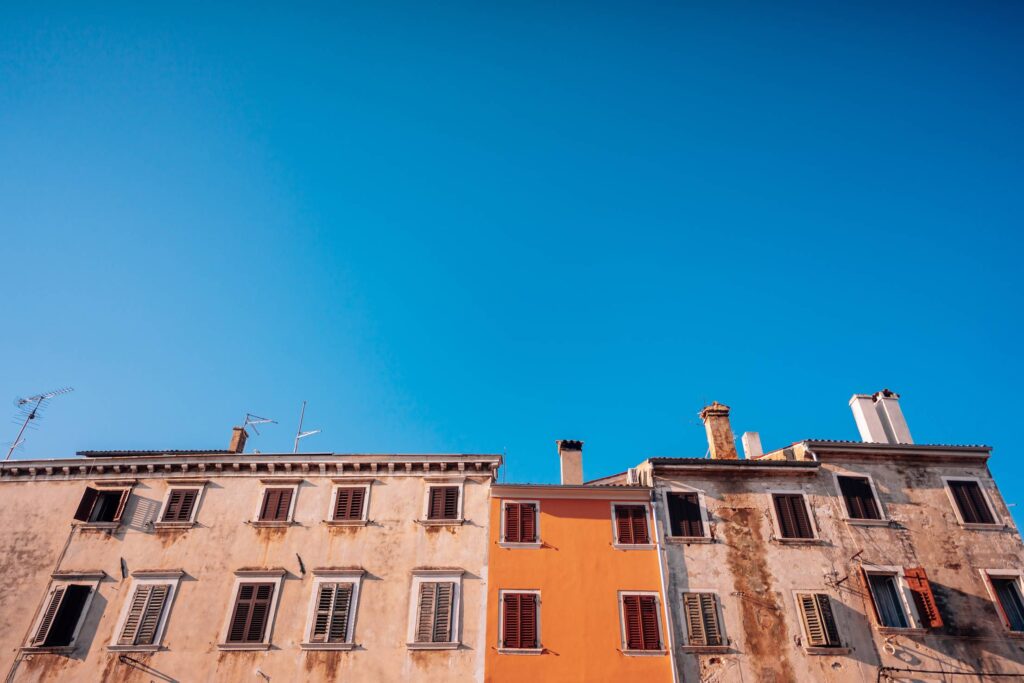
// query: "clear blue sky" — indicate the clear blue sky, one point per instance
point(464, 227)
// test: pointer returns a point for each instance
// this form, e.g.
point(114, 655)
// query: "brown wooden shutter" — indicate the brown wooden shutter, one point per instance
point(349, 503)
point(828, 619)
point(252, 608)
point(701, 611)
point(56, 598)
point(425, 618)
point(151, 616)
point(434, 623)
point(511, 620)
point(180, 503)
point(451, 502)
point(512, 528)
point(794, 521)
point(131, 622)
point(276, 504)
point(85, 506)
point(684, 514)
point(121, 503)
point(924, 599)
point(631, 617)
point(860, 499)
point(649, 622)
point(444, 502)
point(528, 620)
point(528, 523)
point(322, 615)
point(631, 524)
point(341, 613)
point(812, 621)
point(443, 612)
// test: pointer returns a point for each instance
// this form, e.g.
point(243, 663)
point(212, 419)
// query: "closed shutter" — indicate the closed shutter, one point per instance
point(444, 502)
point(434, 622)
point(333, 610)
point(48, 615)
point(519, 620)
point(349, 503)
point(971, 502)
point(84, 510)
point(252, 609)
point(684, 515)
point(276, 504)
point(924, 599)
point(794, 521)
point(151, 615)
point(640, 617)
point(135, 612)
point(631, 524)
point(702, 625)
point(520, 523)
point(180, 503)
point(512, 529)
point(819, 622)
point(510, 621)
point(860, 499)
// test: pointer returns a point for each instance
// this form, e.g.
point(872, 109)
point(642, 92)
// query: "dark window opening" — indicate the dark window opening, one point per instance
point(860, 499)
point(1011, 602)
point(101, 506)
point(794, 522)
point(684, 514)
point(971, 503)
point(63, 612)
point(888, 604)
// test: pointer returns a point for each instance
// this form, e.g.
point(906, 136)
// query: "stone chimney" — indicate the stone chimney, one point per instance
point(571, 455)
point(720, 437)
point(238, 437)
point(879, 418)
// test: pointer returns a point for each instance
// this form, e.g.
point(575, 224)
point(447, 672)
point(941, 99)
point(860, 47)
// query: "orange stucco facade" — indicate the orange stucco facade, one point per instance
point(580, 574)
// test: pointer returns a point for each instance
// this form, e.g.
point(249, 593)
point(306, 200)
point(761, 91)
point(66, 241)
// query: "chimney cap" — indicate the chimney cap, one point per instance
point(885, 393)
point(569, 445)
point(715, 408)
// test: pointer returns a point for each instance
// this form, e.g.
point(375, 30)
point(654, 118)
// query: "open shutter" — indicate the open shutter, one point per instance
point(649, 622)
point(121, 503)
point(425, 619)
point(828, 619)
point(135, 612)
point(632, 622)
point(512, 617)
point(340, 613)
point(812, 621)
point(436, 508)
point(443, 612)
point(86, 504)
point(512, 529)
point(48, 615)
point(151, 616)
point(694, 619)
point(924, 599)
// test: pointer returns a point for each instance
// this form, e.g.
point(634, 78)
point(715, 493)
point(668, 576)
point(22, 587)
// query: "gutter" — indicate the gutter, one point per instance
point(670, 631)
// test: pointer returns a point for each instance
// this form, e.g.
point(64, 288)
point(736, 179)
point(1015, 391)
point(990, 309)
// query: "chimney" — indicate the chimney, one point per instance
point(238, 437)
point(751, 445)
point(879, 418)
point(571, 455)
point(720, 437)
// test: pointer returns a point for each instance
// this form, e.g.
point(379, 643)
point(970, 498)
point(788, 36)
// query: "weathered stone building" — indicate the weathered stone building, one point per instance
point(199, 566)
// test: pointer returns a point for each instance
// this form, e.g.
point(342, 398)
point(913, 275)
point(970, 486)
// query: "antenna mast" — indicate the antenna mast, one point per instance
point(32, 409)
point(299, 434)
point(253, 420)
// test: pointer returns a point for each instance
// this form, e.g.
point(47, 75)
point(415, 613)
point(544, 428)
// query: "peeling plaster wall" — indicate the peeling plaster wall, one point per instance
point(756, 576)
point(36, 517)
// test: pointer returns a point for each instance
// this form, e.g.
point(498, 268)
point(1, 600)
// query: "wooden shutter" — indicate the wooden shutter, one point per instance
point(443, 612)
point(276, 504)
point(631, 524)
point(701, 611)
point(794, 521)
point(684, 514)
point(444, 502)
point(520, 523)
point(519, 620)
point(819, 622)
point(86, 504)
point(135, 612)
point(333, 610)
point(640, 616)
point(512, 528)
point(348, 504)
point(510, 621)
point(56, 598)
point(425, 618)
point(434, 622)
point(151, 616)
point(252, 608)
point(860, 499)
point(924, 599)
point(180, 503)
point(120, 505)
point(971, 501)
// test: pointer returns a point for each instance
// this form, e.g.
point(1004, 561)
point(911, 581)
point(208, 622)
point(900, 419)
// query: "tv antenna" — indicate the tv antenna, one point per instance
point(31, 409)
point(253, 420)
point(299, 434)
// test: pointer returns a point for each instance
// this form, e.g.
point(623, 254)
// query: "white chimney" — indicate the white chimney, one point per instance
point(570, 453)
point(879, 418)
point(751, 445)
point(869, 424)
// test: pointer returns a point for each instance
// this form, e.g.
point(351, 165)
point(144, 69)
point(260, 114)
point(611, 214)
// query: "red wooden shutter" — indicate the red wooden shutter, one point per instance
point(649, 622)
point(86, 504)
point(519, 620)
point(924, 599)
point(528, 523)
point(511, 619)
point(512, 528)
point(631, 524)
point(632, 622)
point(528, 620)
point(639, 523)
point(276, 504)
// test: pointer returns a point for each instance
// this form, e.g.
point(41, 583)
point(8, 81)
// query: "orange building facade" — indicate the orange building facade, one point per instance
point(574, 586)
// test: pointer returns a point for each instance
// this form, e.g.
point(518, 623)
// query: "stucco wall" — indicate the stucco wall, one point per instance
point(35, 518)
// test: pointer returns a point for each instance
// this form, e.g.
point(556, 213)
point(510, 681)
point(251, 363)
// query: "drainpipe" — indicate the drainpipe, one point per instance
point(664, 589)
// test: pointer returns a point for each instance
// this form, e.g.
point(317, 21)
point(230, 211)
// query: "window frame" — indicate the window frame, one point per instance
point(336, 484)
point(914, 622)
point(883, 519)
point(720, 615)
point(840, 649)
point(265, 486)
point(777, 523)
point(181, 485)
point(443, 482)
point(701, 503)
point(987, 576)
point(322, 576)
point(421, 576)
point(536, 525)
point(274, 576)
point(998, 521)
point(92, 580)
point(501, 624)
point(126, 487)
point(170, 578)
point(623, 637)
point(648, 517)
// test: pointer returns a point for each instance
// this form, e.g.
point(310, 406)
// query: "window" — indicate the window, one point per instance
point(1009, 600)
point(277, 504)
point(443, 503)
point(333, 612)
point(520, 522)
point(970, 502)
point(640, 628)
point(631, 524)
point(791, 514)
point(64, 610)
point(902, 598)
point(102, 506)
point(251, 617)
point(703, 626)
point(180, 506)
point(145, 613)
point(818, 619)
point(888, 604)
point(519, 612)
point(684, 515)
point(435, 614)
point(859, 497)
point(349, 504)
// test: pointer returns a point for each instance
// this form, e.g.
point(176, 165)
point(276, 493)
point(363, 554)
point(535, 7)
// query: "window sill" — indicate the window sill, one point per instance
point(165, 526)
point(440, 522)
point(327, 646)
point(836, 651)
point(978, 526)
point(433, 646)
point(98, 526)
point(687, 540)
point(513, 546)
point(867, 522)
point(645, 653)
point(705, 649)
point(520, 651)
point(1014, 634)
point(243, 646)
point(800, 541)
point(896, 630)
point(53, 650)
point(345, 522)
point(135, 648)
point(261, 524)
point(633, 546)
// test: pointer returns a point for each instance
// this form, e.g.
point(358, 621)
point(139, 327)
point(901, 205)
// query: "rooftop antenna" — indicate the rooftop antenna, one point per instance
point(31, 409)
point(299, 434)
point(253, 420)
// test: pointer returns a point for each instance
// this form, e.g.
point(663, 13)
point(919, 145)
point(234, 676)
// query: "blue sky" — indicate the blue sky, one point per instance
point(463, 227)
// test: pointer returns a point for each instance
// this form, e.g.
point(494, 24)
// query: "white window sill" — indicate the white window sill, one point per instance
point(345, 522)
point(645, 653)
point(243, 646)
point(687, 540)
point(54, 650)
point(262, 524)
point(1014, 634)
point(520, 651)
point(705, 649)
point(135, 648)
point(173, 525)
point(853, 521)
point(99, 526)
point(506, 544)
point(328, 646)
point(835, 651)
point(800, 541)
point(633, 546)
point(896, 630)
point(978, 526)
point(433, 646)
point(440, 522)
